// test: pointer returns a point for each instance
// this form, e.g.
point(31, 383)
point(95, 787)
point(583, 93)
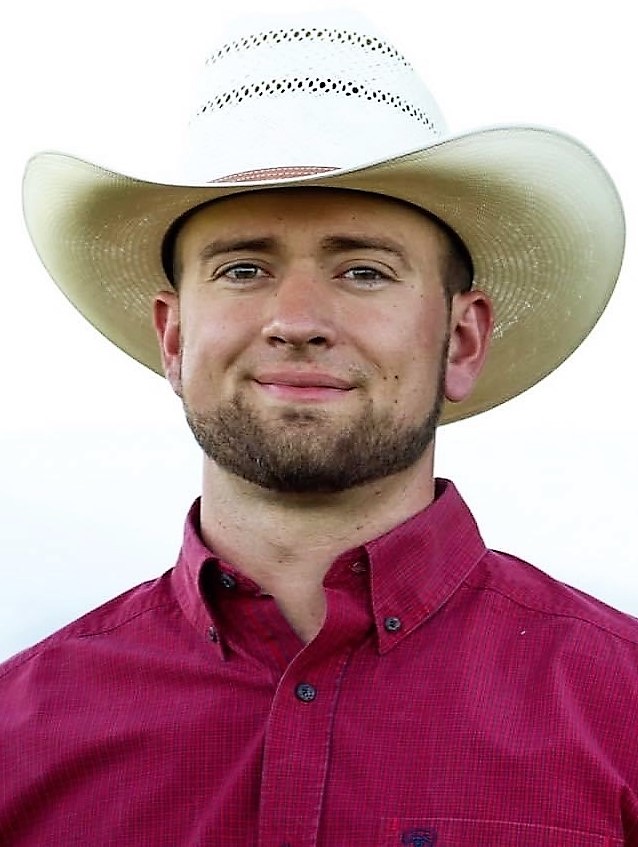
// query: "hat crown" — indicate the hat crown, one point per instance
point(302, 93)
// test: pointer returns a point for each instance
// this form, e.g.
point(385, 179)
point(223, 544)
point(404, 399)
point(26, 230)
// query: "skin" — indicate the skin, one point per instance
point(375, 316)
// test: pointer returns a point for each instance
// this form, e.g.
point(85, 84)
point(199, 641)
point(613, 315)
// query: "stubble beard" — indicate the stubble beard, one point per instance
point(302, 452)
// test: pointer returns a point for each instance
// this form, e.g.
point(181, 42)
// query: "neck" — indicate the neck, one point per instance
point(287, 542)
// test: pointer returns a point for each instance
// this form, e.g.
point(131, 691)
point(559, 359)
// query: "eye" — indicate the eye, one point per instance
point(365, 276)
point(240, 272)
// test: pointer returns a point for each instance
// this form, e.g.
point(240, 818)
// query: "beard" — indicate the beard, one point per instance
point(302, 452)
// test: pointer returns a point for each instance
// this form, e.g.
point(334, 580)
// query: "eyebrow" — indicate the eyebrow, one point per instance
point(331, 244)
point(345, 243)
point(235, 245)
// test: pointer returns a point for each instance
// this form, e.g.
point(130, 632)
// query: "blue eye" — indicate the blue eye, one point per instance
point(365, 276)
point(242, 272)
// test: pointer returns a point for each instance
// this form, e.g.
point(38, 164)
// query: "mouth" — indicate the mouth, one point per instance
point(308, 386)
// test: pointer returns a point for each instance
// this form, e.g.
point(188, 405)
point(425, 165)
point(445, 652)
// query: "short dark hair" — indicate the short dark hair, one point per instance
point(457, 273)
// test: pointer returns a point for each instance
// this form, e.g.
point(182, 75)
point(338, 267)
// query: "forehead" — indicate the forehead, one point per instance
point(311, 211)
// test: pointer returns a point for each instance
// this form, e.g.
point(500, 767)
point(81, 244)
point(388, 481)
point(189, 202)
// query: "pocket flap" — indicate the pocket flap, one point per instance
point(457, 832)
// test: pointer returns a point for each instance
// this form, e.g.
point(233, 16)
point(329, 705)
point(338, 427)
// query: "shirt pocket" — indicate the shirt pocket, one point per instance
point(463, 832)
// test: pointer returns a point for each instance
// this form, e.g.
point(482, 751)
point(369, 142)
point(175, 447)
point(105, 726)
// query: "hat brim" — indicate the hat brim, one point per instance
point(538, 212)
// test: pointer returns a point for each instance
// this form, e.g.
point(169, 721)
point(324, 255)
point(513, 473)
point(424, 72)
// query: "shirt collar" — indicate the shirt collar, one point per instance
point(188, 575)
point(413, 569)
point(417, 566)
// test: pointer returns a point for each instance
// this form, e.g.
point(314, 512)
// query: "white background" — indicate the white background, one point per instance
point(98, 468)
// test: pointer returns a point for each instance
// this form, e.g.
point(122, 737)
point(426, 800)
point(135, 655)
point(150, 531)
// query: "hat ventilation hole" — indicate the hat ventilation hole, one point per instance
point(316, 86)
point(334, 36)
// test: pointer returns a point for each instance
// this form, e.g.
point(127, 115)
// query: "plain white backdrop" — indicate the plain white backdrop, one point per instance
point(98, 468)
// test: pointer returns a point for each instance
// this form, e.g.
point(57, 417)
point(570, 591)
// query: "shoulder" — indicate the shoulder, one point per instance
point(127, 615)
point(594, 627)
point(572, 655)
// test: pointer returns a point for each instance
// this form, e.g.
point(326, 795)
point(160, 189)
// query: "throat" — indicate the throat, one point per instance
point(300, 598)
point(305, 617)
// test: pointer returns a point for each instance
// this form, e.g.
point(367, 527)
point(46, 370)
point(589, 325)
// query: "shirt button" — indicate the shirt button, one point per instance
point(358, 567)
point(392, 624)
point(212, 634)
point(305, 692)
point(227, 580)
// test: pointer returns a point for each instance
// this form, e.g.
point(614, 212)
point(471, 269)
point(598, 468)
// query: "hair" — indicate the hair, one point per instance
point(458, 267)
point(457, 270)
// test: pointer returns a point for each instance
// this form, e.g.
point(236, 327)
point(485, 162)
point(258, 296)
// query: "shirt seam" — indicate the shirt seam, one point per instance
point(59, 638)
point(556, 614)
point(128, 620)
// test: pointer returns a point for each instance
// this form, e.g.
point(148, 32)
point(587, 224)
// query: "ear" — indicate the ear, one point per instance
point(471, 322)
point(167, 326)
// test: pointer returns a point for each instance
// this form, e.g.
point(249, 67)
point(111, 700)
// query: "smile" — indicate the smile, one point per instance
point(303, 386)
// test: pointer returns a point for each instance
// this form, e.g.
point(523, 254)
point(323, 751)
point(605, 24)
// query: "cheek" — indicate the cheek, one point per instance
point(213, 341)
point(414, 365)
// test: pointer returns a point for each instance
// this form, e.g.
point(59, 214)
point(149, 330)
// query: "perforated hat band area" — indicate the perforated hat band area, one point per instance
point(313, 84)
point(326, 95)
point(326, 34)
point(276, 86)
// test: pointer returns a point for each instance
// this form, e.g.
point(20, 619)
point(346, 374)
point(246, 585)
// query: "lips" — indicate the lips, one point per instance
point(303, 379)
point(302, 386)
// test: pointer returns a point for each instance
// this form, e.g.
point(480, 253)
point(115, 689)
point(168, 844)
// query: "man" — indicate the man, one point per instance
point(336, 658)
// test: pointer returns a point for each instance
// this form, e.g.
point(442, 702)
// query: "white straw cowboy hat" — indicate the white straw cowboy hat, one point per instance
point(324, 101)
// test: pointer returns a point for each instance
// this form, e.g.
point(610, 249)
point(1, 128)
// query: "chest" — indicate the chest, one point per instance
point(423, 747)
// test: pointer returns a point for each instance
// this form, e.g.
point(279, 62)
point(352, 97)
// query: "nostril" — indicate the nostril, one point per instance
point(290, 341)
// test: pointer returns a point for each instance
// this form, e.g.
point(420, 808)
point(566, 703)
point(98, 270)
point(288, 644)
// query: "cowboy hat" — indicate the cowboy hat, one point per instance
point(325, 102)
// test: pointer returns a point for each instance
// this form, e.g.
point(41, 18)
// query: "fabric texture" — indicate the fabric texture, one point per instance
point(454, 696)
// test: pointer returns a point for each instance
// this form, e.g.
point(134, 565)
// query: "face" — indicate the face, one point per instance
point(310, 338)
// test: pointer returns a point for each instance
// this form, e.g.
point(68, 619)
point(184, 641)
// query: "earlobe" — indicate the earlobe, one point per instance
point(167, 327)
point(471, 322)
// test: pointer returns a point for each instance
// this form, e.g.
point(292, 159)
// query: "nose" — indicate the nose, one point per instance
point(300, 312)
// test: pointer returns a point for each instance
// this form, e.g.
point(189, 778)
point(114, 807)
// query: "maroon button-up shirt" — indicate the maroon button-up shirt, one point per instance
point(454, 697)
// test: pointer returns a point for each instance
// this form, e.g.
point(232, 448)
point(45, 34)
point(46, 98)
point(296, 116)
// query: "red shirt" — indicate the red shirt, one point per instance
point(454, 697)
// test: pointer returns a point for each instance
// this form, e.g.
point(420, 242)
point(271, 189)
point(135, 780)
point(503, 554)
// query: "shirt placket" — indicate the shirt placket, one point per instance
point(299, 737)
